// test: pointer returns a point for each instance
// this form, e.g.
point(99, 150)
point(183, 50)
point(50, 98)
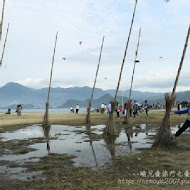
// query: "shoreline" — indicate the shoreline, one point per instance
point(12, 121)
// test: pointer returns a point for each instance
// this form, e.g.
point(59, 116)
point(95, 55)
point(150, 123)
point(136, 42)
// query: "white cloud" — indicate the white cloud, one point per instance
point(33, 25)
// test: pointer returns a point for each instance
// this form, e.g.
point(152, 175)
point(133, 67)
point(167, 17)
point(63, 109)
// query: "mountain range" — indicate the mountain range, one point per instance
point(14, 93)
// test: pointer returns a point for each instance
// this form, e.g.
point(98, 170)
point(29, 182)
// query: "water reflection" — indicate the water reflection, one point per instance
point(129, 134)
point(46, 130)
point(88, 144)
point(110, 144)
point(89, 132)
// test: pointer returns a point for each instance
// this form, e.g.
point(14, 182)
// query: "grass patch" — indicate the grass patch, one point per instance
point(11, 122)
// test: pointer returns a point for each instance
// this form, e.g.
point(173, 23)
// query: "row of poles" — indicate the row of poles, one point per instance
point(164, 131)
point(88, 118)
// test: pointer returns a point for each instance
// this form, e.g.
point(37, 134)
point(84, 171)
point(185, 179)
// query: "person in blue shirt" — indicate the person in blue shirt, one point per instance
point(187, 122)
point(109, 109)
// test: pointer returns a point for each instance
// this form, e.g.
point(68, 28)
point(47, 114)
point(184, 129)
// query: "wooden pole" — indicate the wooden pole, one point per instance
point(125, 51)
point(88, 120)
point(1, 60)
point(111, 124)
point(136, 54)
point(181, 64)
point(45, 123)
point(163, 137)
point(2, 17)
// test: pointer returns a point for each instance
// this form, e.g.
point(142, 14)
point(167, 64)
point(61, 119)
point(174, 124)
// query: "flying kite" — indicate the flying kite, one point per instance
point(161, 57)
point(80, 43)
point(64, 58)
point(105, 78)
point(137, 61)
point(167, 1)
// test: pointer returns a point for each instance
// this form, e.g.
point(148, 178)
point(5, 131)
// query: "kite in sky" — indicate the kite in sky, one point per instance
point(80, 43)
point(161, 57)
point(64, 58)
point(137, 61)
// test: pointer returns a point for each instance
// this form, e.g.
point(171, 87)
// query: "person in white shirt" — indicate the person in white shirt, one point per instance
point(102, 107)
point(77, 108)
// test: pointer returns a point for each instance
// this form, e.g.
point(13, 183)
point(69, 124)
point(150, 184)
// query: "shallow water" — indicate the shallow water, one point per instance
point(18, 173)
point(87, 144)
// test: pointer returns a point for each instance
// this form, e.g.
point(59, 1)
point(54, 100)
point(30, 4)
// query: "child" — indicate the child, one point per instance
point(186, 124)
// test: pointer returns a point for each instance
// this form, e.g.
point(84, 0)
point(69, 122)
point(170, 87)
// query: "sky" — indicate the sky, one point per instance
point(33, 27)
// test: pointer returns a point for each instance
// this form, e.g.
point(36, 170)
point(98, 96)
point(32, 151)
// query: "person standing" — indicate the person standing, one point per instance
point(125, 109)
point(109, 109)
point(130, 108)
point(186, 124)
point(178, 107)
point(117, 110)
point(77, 109)
point(102, 107)
point(19, 109)
point(146, 108)
point(135, 108)
point(105, 108)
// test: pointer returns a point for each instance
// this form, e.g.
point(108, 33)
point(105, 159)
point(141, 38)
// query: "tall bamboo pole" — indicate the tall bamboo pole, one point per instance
point(1, 60)
point(136, 54)
point(2, 16)
point(46, 120)
point(46, 125)
point(88, 120)
point(181, 64)
point(163, 137)
point(110, 128)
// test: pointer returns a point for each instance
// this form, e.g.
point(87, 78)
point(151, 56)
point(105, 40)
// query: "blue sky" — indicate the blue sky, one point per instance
point(33, 25)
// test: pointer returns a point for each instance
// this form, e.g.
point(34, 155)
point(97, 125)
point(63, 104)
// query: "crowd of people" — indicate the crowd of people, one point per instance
point(133, 109)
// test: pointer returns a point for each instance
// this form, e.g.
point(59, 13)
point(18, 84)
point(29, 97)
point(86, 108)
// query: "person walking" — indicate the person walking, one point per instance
point(186, 124)
point(71, 109)
point(77, 109)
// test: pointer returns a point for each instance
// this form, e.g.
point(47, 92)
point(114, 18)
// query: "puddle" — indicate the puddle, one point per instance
point(86, 143)
point(18, 173)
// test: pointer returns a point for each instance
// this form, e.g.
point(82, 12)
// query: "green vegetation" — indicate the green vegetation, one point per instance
point(9, 122)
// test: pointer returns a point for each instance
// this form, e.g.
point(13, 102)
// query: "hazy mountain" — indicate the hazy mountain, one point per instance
point(14, 93)
point(96, 102)
point(24, 106)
